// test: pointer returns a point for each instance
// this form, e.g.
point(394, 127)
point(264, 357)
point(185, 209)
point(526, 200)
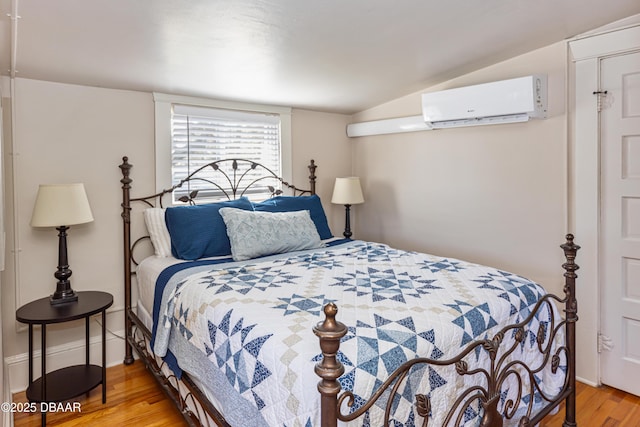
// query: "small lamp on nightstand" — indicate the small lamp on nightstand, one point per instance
point(61, 206)
point(347, 192)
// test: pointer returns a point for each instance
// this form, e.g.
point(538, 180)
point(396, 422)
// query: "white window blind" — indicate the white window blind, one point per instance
point(201, 135)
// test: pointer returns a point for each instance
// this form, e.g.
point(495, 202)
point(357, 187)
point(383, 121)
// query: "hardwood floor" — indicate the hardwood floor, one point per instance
point(602, 406)
point(134, 399)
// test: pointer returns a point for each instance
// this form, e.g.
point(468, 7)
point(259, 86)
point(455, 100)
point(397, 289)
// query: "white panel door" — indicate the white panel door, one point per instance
point(620, 214)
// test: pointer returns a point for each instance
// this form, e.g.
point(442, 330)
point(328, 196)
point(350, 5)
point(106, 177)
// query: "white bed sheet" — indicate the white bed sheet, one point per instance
point(147, 273)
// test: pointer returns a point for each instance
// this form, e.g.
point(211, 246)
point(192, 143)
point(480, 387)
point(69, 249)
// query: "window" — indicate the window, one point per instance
point(191, 133)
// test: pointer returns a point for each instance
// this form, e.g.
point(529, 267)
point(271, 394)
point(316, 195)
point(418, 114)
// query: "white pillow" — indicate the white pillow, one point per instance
point(157, 228)
point(253, 233)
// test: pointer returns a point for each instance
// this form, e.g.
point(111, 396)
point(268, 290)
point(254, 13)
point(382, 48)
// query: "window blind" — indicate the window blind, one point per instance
point(201, 135)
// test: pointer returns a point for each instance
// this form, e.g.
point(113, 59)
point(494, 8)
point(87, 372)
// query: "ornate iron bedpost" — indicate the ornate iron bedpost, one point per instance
point(125, 167)
point(312, 176)
point(329, 368)
point(571, 310)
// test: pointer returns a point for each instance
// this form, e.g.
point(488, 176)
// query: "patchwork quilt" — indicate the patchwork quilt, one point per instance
point(244, 330)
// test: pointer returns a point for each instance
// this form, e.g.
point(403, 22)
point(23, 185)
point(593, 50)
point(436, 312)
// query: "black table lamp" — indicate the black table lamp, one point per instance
point(347, 192)
point(60, 206)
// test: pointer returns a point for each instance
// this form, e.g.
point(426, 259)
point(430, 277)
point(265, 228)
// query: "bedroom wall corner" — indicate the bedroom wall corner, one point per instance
point(322, 137)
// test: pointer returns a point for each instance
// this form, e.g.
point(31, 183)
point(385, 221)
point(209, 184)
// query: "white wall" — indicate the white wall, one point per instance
point(70, 133)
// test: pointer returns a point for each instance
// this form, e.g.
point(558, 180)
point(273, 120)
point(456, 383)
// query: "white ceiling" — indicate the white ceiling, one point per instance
point(328, 55)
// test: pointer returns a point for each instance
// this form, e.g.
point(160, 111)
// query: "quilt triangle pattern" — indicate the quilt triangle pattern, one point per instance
point(374, 253)
point(247, 278)
point(382, 346)
point(520, 292)
point(236, 353)
point(443, 264)
point(298, 303)
point(315, 260)
point(385, 284)
point(474, 321)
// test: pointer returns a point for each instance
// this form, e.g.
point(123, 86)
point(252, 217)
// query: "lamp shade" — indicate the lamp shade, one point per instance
point(61, 204)
point(347, 191)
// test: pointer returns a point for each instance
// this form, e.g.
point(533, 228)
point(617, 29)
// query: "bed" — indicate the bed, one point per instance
point(225, 319)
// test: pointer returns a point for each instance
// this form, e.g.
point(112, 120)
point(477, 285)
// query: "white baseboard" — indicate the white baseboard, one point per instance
point(72, 353)
point(587, 382)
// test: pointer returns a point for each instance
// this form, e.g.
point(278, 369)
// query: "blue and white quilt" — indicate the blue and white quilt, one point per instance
point(245, 329)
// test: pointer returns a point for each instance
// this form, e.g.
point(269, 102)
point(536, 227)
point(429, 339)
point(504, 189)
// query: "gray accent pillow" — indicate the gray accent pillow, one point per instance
point(253, 234)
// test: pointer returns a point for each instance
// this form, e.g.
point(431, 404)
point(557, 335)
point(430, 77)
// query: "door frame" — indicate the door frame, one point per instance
point(585, 54)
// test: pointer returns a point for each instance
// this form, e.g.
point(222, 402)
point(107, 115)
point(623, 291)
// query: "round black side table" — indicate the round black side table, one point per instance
point(65, 383)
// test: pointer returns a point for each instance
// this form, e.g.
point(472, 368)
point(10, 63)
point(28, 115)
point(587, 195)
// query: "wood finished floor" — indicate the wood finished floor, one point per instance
point(134, 399)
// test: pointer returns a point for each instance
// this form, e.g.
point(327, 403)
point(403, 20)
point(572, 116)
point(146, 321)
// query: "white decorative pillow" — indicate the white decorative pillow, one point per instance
point(253, 234)
point(158, 232)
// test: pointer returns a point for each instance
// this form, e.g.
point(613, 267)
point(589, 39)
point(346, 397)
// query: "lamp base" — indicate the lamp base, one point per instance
point(347, 222)
point(63, 298)
point(64, 293)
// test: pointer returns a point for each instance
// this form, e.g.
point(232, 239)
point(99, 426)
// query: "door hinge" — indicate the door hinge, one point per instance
point(604, 343)
point(600, 94)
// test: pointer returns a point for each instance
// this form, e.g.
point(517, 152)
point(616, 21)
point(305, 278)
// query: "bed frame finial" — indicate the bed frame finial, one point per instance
point(125, 167)
point(312, 175)
point(570, 250)
point(330, 331)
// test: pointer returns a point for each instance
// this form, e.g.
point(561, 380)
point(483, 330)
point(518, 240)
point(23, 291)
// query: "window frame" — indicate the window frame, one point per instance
point(163, 106)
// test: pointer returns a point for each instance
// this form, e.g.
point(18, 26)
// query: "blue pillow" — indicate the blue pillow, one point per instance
point(299, 203)
point(198, 231)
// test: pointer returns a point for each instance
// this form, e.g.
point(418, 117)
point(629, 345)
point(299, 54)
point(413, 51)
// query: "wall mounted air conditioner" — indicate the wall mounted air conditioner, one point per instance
point(505, 101)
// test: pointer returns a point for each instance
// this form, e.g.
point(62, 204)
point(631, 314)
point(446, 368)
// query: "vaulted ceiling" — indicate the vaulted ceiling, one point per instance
point(329, 55)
